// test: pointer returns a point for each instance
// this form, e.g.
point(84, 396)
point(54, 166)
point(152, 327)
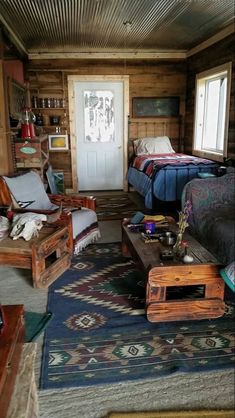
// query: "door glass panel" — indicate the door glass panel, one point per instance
point(99, 116)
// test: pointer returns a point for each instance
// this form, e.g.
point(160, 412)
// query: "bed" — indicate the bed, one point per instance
point(157, 168)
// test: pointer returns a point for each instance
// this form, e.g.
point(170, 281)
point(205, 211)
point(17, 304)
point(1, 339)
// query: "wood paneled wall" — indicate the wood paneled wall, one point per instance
point(146, 79)
point(213, 56)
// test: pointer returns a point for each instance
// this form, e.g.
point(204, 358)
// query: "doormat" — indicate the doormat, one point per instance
point(99, 332)
point(175, 414)
point(111, 207)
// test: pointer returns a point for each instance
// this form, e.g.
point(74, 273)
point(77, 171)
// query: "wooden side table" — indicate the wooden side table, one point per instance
point(24, 399)
point(47, 255)
point(161, 309)
point(11, 344)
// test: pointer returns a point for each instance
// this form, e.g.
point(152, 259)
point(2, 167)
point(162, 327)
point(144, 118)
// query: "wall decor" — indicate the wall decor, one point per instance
point(147, 107)
point(58, 142)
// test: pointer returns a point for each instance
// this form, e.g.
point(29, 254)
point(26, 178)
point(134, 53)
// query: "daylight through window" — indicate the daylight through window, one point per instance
point(212, 112)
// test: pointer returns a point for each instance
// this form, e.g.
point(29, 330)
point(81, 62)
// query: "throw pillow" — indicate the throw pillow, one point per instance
point(28, 191)
point(155, 145)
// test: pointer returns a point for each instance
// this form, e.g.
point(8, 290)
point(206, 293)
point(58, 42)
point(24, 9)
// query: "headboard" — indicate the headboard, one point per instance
point(171, 127)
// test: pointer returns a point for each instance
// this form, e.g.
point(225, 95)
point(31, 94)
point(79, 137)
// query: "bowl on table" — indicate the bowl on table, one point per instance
point(168, 238)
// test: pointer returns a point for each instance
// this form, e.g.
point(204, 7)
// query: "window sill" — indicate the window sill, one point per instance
point(209, 155)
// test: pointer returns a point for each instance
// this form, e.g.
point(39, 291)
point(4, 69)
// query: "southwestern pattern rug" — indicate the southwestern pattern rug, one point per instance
point(118, 206)
point(99, 332)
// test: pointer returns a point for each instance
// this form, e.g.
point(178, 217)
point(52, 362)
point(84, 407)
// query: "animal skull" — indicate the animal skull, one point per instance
point(27, 225)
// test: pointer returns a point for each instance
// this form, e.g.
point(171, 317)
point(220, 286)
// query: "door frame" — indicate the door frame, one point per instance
point(72, 79)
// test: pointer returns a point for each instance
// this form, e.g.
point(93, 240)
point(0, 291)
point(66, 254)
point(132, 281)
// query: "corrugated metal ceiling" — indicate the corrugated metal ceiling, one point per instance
point(87, 25)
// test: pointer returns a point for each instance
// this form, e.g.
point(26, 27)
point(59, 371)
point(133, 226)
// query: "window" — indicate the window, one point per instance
point(212, 112)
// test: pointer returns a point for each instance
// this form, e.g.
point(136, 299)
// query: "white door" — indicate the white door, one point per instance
point(99, 134)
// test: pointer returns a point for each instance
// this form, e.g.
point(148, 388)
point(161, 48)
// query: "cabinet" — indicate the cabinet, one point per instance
point(31, 153)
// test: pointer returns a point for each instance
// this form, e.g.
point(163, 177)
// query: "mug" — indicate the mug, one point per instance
point(149, 227)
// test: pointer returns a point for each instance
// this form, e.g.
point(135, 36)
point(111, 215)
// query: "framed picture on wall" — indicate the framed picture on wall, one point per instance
point(58, 142)
point(150, 107)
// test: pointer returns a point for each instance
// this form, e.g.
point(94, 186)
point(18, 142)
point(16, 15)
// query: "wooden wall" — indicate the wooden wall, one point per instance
point(147, 79)
point(213, 56)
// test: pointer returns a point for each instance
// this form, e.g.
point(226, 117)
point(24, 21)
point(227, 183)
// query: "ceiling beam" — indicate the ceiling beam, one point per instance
point(130, 55)
point(13, 38)
point(216, 38)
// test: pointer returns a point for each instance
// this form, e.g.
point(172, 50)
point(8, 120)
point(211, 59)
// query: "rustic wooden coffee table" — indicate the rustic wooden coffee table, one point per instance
point(47, 255)
point(163, 276)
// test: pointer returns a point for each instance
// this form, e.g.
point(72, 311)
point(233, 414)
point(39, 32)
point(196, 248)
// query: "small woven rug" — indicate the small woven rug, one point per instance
point(175, 414)
point(99, 332)
point(118, 206)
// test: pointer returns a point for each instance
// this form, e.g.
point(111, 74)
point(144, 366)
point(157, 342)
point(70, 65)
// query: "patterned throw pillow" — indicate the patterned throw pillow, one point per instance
point(228, 274)
point(28, 191)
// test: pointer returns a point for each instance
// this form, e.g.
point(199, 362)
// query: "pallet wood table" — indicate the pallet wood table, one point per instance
point(164, 275)
point(11, 344)
point(47, 255)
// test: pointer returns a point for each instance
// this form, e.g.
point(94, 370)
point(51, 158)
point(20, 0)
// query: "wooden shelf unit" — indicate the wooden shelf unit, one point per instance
point(45, 86)
point(52, 84)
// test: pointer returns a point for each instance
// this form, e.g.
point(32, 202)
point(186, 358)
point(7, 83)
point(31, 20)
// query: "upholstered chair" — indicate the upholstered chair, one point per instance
point(26, 192)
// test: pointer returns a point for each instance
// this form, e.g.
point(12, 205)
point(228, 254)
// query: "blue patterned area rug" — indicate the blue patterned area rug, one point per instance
point(99, 332)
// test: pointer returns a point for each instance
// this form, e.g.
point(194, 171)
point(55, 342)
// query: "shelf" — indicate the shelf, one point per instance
point(52, 126)
point(49, 108)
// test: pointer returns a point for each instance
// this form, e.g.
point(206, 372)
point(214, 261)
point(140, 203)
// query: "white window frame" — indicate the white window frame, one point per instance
point(200, 111)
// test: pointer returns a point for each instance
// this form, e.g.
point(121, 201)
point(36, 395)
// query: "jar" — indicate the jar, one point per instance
point(55, 120)
point(39, 119)
point(34, 102)
point(46, 120)
point(42, 103)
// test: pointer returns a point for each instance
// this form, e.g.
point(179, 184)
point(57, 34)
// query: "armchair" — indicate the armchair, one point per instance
point(26, 192)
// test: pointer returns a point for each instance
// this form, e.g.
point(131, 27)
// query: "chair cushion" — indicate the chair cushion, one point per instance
point(85, 228)
point(28, 191)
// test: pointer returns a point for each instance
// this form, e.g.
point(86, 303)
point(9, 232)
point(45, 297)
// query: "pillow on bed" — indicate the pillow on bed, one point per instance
point(153, 145)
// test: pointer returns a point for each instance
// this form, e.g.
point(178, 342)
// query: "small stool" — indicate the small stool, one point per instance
point(210, 305)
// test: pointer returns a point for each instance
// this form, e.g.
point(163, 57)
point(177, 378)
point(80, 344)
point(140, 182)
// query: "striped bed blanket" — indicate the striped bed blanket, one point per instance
point(150, 164)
